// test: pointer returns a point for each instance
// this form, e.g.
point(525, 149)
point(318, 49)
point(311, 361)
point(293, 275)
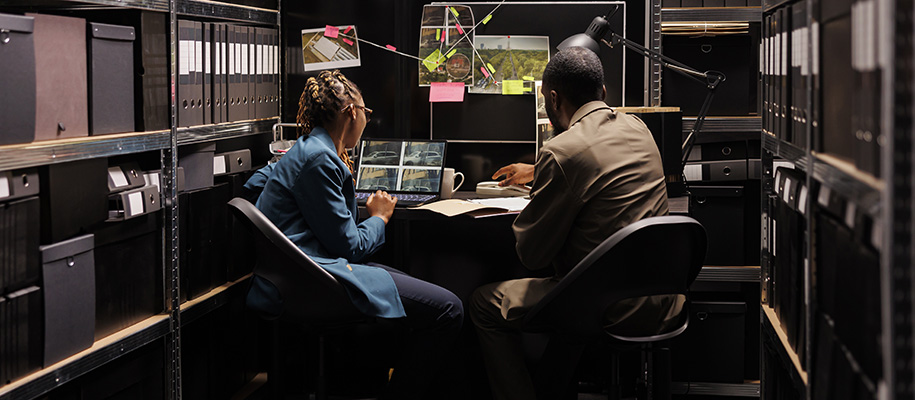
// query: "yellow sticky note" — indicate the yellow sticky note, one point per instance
point(512, 87)
point(451, 53)
point(488, 17)
point(433, 60)
point(438, 34)
point(491, 69)
point(527, 78)
point(528, 89)
point(453, 11)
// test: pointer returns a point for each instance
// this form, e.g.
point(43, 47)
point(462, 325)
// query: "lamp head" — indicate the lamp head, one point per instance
point(591, 38)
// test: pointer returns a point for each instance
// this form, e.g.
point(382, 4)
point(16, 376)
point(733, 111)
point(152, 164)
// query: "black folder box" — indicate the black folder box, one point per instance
point(151, 90)
point(197, 161)
point(128, 273)
point(712, 349)
point(19, 238)
point(111, 75)
point(74, 196)
point(733, 55)
point(241, 253)
point(203, 249)
point(837, 136)
point(21, 329)
point(720, 210)
point(68, 283)
point(17, 79)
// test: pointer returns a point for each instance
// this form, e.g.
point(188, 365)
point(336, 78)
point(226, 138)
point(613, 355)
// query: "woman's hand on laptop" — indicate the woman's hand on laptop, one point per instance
point(515, 174)
point(381, 204)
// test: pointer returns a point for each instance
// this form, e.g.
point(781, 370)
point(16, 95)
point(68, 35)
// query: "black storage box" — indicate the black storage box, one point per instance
point(241, 240)
point(203, 249)
point(17, 79)
point(19, 239)
point(197, 161)
point(125, 176)
point(74, 197)
point(720, 209)
point(68, 283)
point(734, 55)
point(22, 332)
point(711, 349)
point(111, 75)
point(128, 273)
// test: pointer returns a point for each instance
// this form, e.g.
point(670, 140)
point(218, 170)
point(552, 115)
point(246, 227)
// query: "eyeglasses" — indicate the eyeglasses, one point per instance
point(366, 110)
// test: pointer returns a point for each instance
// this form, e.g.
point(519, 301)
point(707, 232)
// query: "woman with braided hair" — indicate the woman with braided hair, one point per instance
point(310, 197)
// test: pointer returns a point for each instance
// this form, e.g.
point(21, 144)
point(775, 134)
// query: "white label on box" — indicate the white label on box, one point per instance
point(153, 180)
point(198, 53)
point(219, 165)
point(802, 200)
point(260, 59)
point(786, 194)
point(823, 198)
point(244, 59)
point(805, 41)
point(850, 215)
point(231, 60)
point(238, 58)
point(117, 176)
point(877, 233)
point(774, 231)
point(206, 61)
point(183, 62)
point(693, 172)
point(4, 187)
point(135, 203)
point(815, 43)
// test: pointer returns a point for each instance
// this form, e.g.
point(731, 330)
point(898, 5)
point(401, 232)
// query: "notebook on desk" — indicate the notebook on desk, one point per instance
point(411, 170)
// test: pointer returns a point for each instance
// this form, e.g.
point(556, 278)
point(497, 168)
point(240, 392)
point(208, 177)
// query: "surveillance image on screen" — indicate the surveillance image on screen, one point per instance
point(371, 178)
point(377, 152)
point(420, 180)
point(320, 52)
point(424, 154)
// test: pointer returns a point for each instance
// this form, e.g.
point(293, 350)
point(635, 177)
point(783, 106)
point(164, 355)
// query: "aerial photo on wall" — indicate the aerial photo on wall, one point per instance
point(446, 45)
point(509, 58)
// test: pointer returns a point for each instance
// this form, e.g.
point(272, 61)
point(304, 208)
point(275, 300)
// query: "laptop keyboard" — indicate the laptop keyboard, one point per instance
point(403, 199)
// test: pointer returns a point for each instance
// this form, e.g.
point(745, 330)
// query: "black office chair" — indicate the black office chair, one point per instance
point(654, 256)
point(311, 297)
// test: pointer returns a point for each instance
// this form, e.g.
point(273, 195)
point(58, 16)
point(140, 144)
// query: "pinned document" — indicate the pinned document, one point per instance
point(446, 92)
point(510, 87)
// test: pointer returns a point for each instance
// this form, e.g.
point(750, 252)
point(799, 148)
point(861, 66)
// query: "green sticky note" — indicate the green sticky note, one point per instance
point(527, 78)
point(488, 17)
point(438, 34)
point(451, 53)
point(528, 89)
point(491, 69)
point(453, 11)
point(433, 60)
point(512, 87)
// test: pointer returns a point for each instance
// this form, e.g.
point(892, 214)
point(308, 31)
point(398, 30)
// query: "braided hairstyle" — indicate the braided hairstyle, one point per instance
point(322, 100)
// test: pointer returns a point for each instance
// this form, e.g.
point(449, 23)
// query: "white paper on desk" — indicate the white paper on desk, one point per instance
point(508, 203)
point(451, 207)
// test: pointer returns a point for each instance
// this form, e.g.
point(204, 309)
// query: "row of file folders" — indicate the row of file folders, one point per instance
point(226, 73)
point(845, 272)
point(64, 77)
point(836, 52)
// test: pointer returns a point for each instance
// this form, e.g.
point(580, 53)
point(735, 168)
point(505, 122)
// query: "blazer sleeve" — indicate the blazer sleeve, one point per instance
point(318, 192)
point(541, 228)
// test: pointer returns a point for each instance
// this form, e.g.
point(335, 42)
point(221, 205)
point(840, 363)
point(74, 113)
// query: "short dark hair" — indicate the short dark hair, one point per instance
point(577, 74)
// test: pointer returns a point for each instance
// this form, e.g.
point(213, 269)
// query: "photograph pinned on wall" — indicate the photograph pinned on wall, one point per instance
point(544, 127)
point(446, 45)
point(509, 58)
point(320, 51)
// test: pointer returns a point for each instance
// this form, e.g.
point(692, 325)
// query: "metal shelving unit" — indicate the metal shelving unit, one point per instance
point(165, 326)
point(729, 274)
point(749, 389)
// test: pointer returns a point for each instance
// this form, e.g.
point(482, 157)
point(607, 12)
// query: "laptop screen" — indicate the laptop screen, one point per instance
point(400, 166)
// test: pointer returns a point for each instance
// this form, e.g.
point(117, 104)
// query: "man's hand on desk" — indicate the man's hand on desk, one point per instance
point(381, 204)
point(515, 174)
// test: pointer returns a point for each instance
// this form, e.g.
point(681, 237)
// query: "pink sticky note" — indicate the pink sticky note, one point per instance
point(485, 72)
point(392, 48)
point(443, 37)
point(347, 41)
point(348, 28)
point(446, 92)
point(460, 30)
point(331, 31)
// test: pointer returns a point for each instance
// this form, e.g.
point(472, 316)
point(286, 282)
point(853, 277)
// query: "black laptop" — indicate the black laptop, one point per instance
point(411, 170)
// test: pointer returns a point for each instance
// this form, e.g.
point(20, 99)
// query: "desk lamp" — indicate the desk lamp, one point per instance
point(599, 28)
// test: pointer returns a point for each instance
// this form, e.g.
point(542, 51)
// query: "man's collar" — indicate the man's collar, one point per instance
point(586, 109)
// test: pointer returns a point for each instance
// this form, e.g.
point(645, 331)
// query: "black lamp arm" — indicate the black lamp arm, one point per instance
point(710, 79)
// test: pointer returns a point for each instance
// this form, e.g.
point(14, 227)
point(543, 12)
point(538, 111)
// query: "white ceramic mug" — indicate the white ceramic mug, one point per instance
point(448, 186)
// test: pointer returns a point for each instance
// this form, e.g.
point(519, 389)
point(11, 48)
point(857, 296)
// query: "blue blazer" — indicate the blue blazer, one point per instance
point(311, 198)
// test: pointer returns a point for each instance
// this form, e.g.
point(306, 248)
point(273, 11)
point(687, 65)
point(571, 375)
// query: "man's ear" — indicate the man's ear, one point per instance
point(555, 98)
point(604, 95)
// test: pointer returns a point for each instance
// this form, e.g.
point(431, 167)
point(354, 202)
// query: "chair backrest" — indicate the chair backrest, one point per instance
point(309, 293)
point(654, 256)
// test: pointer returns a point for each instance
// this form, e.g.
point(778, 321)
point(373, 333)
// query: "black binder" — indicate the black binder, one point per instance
point(17, 80)
point(237, 84)
point(19, 239)
point(261, 105)
point(252, 72)
point(785, 87)
point(799, 73)
point(153, 111)
point(198, 89)
point(207, 72)
point(838, 89)
point(186, 76)
point(219, 81)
